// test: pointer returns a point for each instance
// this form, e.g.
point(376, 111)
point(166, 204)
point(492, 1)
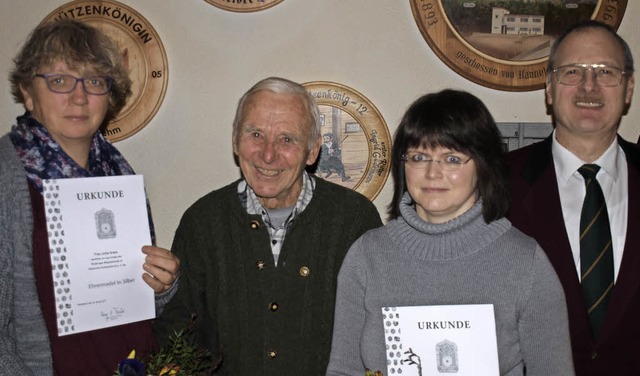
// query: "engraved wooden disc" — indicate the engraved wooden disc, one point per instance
point(244, 5)
point(504, 48)
point(144, 54)
point(355, 126)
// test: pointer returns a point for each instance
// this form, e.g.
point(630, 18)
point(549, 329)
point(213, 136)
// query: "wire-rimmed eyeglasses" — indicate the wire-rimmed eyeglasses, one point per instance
point(603, 75)
point(416, 159)
point(66, 83)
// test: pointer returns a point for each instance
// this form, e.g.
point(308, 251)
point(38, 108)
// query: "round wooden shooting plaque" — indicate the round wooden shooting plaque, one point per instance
point(244, 5)
point(355, 124)
point(501, 48)
point(144, 54)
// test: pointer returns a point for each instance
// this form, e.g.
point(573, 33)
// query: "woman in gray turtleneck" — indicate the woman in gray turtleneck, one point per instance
point(447, 243)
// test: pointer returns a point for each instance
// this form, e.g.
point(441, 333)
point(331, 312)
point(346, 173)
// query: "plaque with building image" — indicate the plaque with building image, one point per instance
point(505, 46)
point(356, 144)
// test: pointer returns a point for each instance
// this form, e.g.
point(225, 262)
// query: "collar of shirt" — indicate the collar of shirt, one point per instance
point(253, 206)
point(566, 164)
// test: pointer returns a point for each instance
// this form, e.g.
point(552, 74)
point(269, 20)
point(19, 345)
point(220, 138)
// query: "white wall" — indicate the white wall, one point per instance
point(372, 46)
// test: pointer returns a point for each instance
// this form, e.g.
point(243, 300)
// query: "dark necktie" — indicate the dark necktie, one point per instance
point(596, 251)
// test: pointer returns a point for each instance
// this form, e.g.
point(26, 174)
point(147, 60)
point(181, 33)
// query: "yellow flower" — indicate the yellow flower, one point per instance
point(169, 369)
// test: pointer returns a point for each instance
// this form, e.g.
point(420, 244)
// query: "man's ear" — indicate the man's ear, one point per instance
point(313, 153)
point(630, 85)
point(548, 91)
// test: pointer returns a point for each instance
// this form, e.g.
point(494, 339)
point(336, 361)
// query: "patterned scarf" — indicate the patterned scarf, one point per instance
point(43, 158)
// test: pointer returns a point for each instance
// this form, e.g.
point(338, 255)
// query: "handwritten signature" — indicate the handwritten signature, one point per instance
point(113, 314)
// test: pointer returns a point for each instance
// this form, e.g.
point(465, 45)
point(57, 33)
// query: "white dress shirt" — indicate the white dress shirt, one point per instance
point(613, 178)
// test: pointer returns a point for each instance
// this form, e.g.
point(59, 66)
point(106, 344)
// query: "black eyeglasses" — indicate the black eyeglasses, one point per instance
point(574, 74)
point(66, 83)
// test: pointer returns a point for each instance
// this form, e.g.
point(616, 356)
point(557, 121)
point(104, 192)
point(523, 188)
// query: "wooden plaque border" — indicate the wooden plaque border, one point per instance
point(372, 123)
point(481, 68)
point(244, 6)
point(146, 55)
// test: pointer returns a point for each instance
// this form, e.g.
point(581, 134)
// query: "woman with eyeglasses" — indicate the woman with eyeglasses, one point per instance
point(72, 81)
point(447, 243)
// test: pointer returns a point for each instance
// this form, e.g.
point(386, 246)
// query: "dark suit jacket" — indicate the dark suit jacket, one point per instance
point(535, 210)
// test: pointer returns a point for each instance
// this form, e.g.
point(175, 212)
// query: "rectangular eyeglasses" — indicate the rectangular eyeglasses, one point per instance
point(66, 83)
point(603, 75)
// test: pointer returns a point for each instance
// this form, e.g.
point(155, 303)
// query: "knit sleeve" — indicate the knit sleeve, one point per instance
point(165, 297)
point(16, 263)
point(370, 217)
point(543, 324)
point(350, 315)
point(10, 362)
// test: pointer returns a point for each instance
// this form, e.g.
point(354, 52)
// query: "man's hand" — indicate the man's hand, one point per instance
point(162, 268)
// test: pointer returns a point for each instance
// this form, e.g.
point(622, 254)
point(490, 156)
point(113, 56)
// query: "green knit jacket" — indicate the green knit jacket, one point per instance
point(258, 318)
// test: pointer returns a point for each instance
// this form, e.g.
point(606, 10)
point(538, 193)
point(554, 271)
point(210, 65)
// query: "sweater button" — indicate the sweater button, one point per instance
point(273, 306)
point(304, 271)
point(272, 354)
point(261, 264)
point(254, 224)
point(594, 355)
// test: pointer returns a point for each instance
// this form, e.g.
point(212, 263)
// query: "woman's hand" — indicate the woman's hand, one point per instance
point(162, 268)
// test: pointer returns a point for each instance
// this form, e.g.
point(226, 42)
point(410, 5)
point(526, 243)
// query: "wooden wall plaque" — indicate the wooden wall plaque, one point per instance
point(355, 125)
point(144, 53)
point(243, 5)
point(504, 48)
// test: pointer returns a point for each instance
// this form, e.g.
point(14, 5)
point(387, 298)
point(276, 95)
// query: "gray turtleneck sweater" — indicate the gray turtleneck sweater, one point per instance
point(410, 262)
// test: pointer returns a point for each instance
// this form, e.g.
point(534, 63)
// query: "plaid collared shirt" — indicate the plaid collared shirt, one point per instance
point(251, 203)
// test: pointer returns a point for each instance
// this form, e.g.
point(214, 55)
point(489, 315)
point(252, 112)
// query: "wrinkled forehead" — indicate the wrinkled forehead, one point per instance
point(288, 106)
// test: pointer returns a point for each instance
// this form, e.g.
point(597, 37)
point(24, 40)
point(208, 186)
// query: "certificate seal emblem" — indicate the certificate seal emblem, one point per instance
point(356, 147)
point(143, 51)
point(506, 47)
point(244, 5)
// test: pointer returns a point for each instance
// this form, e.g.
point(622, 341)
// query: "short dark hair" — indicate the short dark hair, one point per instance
point(590, 25)
point(459, 121)
point(79, 46)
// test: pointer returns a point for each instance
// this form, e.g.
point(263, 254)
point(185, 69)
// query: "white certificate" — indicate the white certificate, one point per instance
point(436, 340)
point(97, 227)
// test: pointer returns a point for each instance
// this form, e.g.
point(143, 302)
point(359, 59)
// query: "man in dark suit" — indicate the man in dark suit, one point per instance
point(589, 86)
